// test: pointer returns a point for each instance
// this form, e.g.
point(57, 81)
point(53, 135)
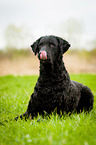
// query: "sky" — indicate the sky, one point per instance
point(45, 17)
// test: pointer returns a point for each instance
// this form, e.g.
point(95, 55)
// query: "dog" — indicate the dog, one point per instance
point(54, 89)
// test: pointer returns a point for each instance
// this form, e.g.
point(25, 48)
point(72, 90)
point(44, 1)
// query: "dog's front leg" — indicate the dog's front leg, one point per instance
point(31, 109)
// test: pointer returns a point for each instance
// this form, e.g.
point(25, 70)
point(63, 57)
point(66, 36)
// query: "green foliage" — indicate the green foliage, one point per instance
point(83, 53)
point(74, 129)
point(15, 53)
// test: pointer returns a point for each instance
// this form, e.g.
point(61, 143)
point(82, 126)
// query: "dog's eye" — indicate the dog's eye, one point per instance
point(40, 45)
point(52, 45)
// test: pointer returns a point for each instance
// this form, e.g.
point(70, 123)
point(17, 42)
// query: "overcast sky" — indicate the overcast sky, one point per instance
point(43, 17)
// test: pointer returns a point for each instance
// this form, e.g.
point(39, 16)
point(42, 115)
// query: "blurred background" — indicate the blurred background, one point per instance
point(24, 21)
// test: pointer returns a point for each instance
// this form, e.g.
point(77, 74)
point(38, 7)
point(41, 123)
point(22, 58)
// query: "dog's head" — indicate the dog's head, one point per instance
point(50, 47)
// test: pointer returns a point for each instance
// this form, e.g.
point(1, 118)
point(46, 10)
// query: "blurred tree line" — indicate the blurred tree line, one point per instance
point(72, 30)
point(17, 37)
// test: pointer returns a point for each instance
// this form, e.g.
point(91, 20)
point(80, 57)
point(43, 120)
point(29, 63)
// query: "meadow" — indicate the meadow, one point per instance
point(74, 129)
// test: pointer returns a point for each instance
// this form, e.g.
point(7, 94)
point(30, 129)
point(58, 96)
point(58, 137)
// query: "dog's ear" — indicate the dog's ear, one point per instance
point(35, 46)
point(63, 44)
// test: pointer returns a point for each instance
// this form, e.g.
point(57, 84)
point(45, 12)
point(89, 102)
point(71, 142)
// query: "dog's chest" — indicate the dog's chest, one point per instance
point(49, 89)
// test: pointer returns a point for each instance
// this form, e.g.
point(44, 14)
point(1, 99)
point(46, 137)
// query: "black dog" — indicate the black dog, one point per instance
point(54, 89)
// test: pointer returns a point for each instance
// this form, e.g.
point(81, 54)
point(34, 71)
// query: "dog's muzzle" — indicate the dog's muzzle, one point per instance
point(42, 55)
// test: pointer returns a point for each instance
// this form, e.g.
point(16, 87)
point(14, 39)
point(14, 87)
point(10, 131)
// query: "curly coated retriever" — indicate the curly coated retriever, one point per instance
point(54, 89)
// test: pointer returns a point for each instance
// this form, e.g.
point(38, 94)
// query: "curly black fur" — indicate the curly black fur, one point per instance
point(54, 89)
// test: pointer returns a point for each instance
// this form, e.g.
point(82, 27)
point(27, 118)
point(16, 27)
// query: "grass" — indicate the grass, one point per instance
point(76, 129)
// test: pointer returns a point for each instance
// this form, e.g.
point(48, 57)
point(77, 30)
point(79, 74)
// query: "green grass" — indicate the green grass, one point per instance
point(76, 129)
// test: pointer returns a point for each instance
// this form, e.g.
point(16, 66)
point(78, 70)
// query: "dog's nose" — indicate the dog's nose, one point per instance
point(43, 55)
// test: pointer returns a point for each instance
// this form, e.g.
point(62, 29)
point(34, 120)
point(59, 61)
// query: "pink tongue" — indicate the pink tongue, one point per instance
point(43, 55)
